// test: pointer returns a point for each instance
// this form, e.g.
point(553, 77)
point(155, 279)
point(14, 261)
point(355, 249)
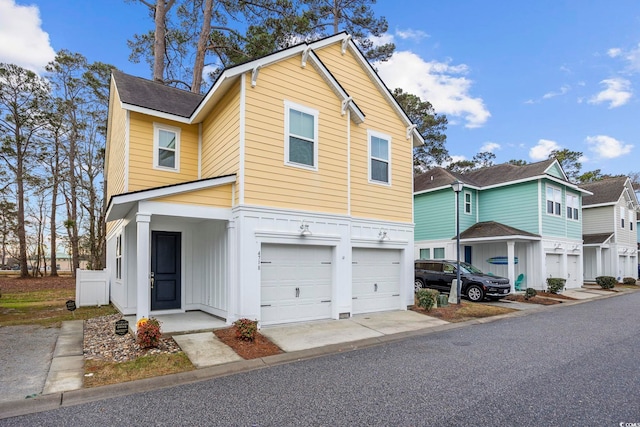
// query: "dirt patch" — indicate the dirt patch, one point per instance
point(463, 312)
point(556, 296)
point(533, 300)
point(260, 347)
point(30, 284)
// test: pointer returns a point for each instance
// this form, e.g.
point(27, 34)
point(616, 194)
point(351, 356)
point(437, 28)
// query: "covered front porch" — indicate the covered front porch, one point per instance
point(187, 322)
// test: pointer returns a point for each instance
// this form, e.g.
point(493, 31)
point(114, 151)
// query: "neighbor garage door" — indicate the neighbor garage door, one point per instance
point(554, 265)
point(295, 283)
point(376, 280)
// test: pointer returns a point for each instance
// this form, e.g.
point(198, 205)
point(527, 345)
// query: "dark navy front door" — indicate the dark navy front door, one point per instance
point(165, 270)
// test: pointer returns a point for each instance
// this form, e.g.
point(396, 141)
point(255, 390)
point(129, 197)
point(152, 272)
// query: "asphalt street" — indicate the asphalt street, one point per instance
point(565, 366)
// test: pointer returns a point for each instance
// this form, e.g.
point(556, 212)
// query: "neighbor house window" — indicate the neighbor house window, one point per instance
point(438, 253)
point(554, 201)
point(572, 206)
point(622, 215)
point(166, 147)
point(301, 136)
point(119, 256)
point(425, 253)
point(379, 157)
point(467, 203)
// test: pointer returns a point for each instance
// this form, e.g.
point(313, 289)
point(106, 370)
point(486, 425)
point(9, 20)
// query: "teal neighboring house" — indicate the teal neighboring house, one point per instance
point(520, 222)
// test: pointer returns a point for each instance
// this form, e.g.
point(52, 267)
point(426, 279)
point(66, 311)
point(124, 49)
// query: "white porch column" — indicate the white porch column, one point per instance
point(511, 263)
point(232, 268)
point(143, 288)
point(598, 261)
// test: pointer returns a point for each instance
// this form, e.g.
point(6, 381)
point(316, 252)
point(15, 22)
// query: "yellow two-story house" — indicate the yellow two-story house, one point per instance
point(284, 194)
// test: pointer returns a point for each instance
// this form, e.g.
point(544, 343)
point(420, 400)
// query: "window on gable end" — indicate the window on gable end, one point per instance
point(554, 201)
point(379, 157)
point(622, 215)
point(166, 147)
point(301, 136)
point(631, 215)
point(467, 203)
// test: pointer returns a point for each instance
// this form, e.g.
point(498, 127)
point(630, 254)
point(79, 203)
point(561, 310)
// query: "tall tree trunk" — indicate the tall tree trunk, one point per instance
point(160, 38)
point(22, 235)
point(203, 41)
point(54, 205)
point(73, 200)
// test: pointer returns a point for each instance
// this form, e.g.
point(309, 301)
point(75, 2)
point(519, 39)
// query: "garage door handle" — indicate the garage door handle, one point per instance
point(375, 287)
point(265, 305)
point(327, 300)
point(297, 292)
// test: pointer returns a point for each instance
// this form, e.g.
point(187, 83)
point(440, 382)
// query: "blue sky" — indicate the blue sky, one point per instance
point(515, 78)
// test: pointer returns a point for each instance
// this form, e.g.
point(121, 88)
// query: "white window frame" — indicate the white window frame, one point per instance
point(631, 218)
point(443, 253)
point(470, 203)
point(574, 205)
point(427, 251)
point(557, 200)
point(288, 106)
point(373, 133)
point(623, 214)
point(157, 127)
point(119, 257)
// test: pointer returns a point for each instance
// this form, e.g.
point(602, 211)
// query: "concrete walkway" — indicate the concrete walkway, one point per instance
point(214, 358)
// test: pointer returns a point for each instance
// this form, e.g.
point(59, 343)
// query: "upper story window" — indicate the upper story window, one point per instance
point(166, 147)
point(572, 206)
point(467, 203)
point(622, 215)
point(631, 218)
point(554, 201)
point(301, 136)
point(379, 157)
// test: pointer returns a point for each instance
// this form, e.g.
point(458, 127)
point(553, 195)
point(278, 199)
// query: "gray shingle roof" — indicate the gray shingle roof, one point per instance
point(483, 177)
point(590, 239)
point(155, 96)
point(607, 190)
point(493, 229)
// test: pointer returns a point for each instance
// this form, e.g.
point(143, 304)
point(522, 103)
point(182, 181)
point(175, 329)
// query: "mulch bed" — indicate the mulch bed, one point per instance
point(532, 300)
point(260, 347)
point(15, 284)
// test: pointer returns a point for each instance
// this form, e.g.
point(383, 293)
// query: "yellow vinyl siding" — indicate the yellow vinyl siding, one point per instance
point(370, 200)
point(116, 149)
point(142, 175)
point(219, 197)
point(268, 181)
point(221, 136)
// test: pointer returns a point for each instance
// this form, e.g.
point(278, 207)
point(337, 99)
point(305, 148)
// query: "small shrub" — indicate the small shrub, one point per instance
point(555, 284)
point(629, 281)
point(606, 282)
point(148, 332)
point(530, 293)
point(246, 329)
point(427, 298)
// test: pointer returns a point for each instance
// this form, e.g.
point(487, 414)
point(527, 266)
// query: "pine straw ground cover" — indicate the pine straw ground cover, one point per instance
point(463, 312)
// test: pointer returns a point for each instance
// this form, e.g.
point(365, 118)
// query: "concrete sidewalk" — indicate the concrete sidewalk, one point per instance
point(214, 358)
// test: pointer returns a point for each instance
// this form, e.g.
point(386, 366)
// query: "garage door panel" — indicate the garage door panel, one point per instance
point(376, 280)
point(296, 283)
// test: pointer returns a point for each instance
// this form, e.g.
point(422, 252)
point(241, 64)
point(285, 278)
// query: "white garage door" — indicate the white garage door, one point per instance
point(573, 278)
point(295, 283)
point(554, 266)
point(376, 280)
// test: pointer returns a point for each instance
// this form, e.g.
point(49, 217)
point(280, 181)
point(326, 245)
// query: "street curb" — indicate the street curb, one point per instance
point(86, 395)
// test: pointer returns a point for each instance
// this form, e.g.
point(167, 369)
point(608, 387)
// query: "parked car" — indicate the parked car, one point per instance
point(475, 285)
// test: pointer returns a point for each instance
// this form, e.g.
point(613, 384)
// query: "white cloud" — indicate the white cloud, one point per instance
point(490, 147)
point(542, 150)
point(453, 160)
point(614, 52)
point(617, 92)
point(607, 147)
point(416, 35)
point(22, 40)
point(442, 84)
point(381, 40)
point(564, 89)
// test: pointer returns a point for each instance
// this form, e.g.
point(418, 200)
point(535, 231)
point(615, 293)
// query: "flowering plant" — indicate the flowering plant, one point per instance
point(246, 329)
point(148, 332)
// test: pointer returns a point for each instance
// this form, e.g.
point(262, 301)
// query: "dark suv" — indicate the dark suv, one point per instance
point(438, 274)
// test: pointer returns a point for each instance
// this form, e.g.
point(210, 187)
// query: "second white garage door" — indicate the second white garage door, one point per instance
point(295, 283)
point(376, 280)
